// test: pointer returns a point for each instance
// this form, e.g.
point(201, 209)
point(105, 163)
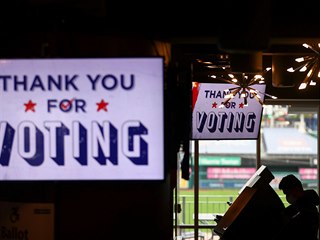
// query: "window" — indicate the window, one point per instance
point(288, 144)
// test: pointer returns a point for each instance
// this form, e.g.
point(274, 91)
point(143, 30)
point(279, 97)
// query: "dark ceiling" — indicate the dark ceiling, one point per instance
point(256, 20)
point(196, 30)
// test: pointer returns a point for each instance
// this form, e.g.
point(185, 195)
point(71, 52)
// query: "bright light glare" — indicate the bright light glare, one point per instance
point(303, 69)
point(305, 45)
point(300, 59)
point(313, 83)
point(302, 86)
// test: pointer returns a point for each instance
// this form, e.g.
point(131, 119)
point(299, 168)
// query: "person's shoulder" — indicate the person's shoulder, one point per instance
point(312, 196)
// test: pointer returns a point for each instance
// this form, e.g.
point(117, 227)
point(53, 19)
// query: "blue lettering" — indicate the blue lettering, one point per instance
point(67, 105)
point(104, 148)
point(212, 122)
point(201, 120)
point(110, 82)
point(134, 146)
point(51, 104)
point(56, 82)
point(93, 81)
point(230, 122)
point(5, 85)
point(104, 142)
point(250, 123)
point(22, 82)
point(214, 94)
point(37, 83)
point(130, 85)
point(69, 82)
point(30, 143)
point(222, 121)
point(80, 141)
point(239, 122)
point(57, 132)
point(6, 141)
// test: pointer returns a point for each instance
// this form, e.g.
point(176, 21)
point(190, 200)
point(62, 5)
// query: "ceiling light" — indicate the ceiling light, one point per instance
point(309, 64)
point(244, 82)
point(244, 86)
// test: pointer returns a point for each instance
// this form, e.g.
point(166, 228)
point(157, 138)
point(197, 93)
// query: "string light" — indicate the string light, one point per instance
point(309, 64)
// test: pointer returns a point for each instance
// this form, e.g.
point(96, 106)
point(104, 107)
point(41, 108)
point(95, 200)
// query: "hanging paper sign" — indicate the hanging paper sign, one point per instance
point(237, 119)
point(78, 119)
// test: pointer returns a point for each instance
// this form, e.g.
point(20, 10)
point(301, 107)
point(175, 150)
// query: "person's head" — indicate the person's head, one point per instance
point(291, 187)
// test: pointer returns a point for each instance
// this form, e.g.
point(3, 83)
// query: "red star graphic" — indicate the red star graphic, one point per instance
point(241, 105)
point(102, 105)
point(30, 106)
point(214, 105)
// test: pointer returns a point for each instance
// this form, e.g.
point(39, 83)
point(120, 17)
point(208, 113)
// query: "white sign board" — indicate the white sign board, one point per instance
point(82, 119)
point(235, 120)
point(30, 221)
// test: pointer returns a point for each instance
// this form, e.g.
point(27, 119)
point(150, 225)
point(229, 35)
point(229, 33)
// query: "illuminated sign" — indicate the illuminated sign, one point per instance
point(219, 161)
point(234, 121)
point(230, 173)
point(82, 119)
point(308, 173)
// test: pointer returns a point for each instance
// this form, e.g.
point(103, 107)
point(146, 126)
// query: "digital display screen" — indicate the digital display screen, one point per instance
point(82, 119)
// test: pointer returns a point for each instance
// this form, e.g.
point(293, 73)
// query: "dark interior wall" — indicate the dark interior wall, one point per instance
point(100, 209)
point(114, 211)
point(94, 209)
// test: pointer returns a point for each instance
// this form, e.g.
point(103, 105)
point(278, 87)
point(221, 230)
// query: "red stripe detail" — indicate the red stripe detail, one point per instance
point(195, 93)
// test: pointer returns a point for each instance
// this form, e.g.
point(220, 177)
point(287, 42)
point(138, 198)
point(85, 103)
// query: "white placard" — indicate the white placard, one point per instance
point(235, 120)
point(82, 119)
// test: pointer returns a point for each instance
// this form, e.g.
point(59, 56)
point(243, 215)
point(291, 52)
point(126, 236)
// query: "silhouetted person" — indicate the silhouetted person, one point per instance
point(301, 217)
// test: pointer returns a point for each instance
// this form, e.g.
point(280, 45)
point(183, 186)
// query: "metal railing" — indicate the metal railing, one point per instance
point(208, 204)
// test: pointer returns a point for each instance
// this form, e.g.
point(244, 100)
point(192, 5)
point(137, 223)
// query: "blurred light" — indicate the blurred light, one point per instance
point(310, 63)
point(244, 86)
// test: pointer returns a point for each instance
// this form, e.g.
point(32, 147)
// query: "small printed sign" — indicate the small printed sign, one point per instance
point(26, 221)
point(235, 120)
